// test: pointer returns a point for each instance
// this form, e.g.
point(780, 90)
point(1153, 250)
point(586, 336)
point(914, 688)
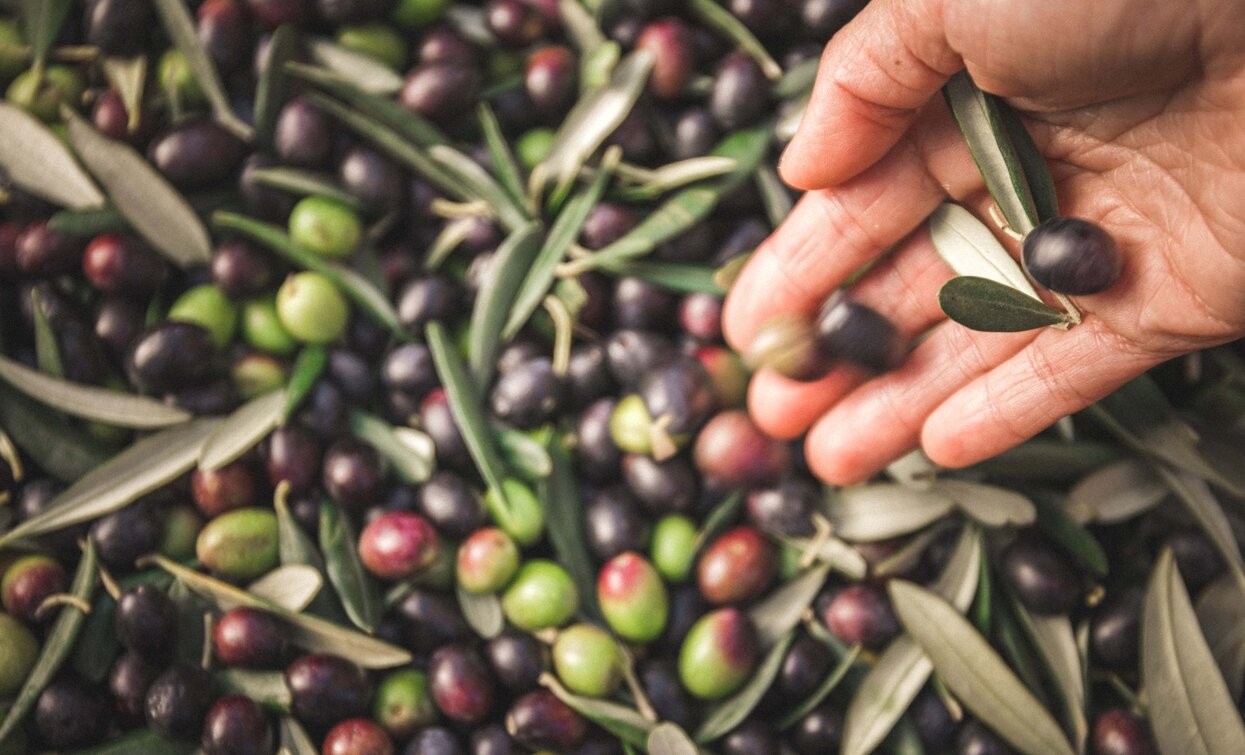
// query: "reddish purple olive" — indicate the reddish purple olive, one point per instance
point(851, 332)
point(443, 44)
point(550, 79)
point(607, 223)
point(727, 374)
point(119, 264)
point(178, 700)
point(736, 567)
point(293, 457)
point(224, 488)
point(460, 684)
point(146, 622)
point(1120, 732)
point(357, 736)
point(732, 450)
point(669, 41)
point(514, 22)
point(1072, 256)
point(700, 315)
point(353, 473)
point(224, 28)
point(398, 545)
point(541, 721)
point(487, 560)
point(325, 689)
point(862, 615)
point(632, 597)
point(28, 582)
point(440, 91)
point(237, 725)
point(787, 345)
point(718, 654)
point(1042, 578)
point(41, 252)
point(248, 637)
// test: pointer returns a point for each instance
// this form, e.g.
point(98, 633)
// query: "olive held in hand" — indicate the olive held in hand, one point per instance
point(398, 545)
point(541, 595)
point(849, 331)
point(588, 660)
point(237, 725)
point(403, 703)
point(718, 654)
point(18, 651)
point(487, 560)
point(633, 598)
point(1072, 256)
point(787, 345)
point(28, 582)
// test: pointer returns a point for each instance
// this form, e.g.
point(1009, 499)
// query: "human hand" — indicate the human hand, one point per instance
point(1139, 108)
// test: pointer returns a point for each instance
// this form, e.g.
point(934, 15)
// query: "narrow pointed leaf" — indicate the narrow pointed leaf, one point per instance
point(1049, 461)
point(292, 586)
point(47, 348)
point(128, 76)
point(721, 517)
point(405, 124)
point(1032, 162)
point(181, 29)
point(667, 738)
point(304, 183)
point(828, 685)
point(1064, 531)
point(559, 494)
point(268, 688)
point(882, 511)
point(151, 205)
point(970, 248)
point(307, 368)
point(410, 452)
point(1192, 712)
point(41, 23)
point(294, 740)
point(97, 646)
point(479, 185)
point(240, 431)
point(674, 276)
point(722, 21)
point(779, 612)
point(625, 723)
point(975, 673)
point(306, 632)
point(1195, 494)
point(90, 402)
point(774, 196)
point(140, 742)
point(356, 588)
point(37, 161)
point(273, 87)
point(522, 452)
point(88, 222)
point(496, 296)
point(581, 27)
point(981, 304)
point(362, 70)
point(1221, 615)
point(678, 174)
point(990, 505)
point(57, 644)
point(504, 165)
point(729, 713)
point(1056, 646)
point(483, 613)
point(797, 80)
point(452, 235)
point(63, 450)
point(136, 471)
point(1116, 493)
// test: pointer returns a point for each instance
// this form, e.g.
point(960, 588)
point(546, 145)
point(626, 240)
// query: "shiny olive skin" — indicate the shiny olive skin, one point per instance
point(237, 725)
point(632, 354)
point(28, 582)
point(669, 41)
point(451, 504)
point(662, 486)
point(1071, 256)
point(357, 736)
point(178, 700)
point(44, 253)
point(170, 356)
point(1116, 628)
point(740, 92)
point(248, 637)
point(529, 394)
point(597, 457)
point(785, 508)
point(540, 720)
point(851, 332)
point(1120, 732)
point(124, 265)
point(304, 135)
point(733, 451)
point(517, 659)
point(614, 523)
point(429, 620)
point(736, 566)
point(353, 472)
point(1041, 577)
point(196, 153)
point(976, 739)
point(123, 536)
point(862, 615)
point(434, 740)
point(820, 730)
point(460, 683)
point(128, 681)
point(146, 622)
point(752, 737)
point(440, 91)
point(326, 689)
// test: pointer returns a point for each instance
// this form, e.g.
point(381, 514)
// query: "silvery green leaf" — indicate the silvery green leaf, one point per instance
point(797, 80)
point(580, 26)
point(1221, 614)
point(353, 584)
point(272, 88)
point(37, 161)
point(480, 185)
point(653, 183)
point(451, 236)
point(364, 71)
point(885, 510)
point(304, 183)
point(241, 430)
point(1053, 639)
point(41, 23)
point(175, 16)
point(1116, 493)
point(777, 613)
point(714, 16)
point(1195, 494)
point(974, 672)
point(62, 449)
point(410, 451)
point(136, 471)
point(483, 613)
point(666, 738)
point(292, 586)
point(128, 76)
point(970, 248)
point(294, 740)
point(774, 195)
point(1191, 711)
point(835, 553)
point(268, 688)
point(497, 295)
point(990, 505)
point(914, 469)
point(908, 556)
point(151, 205)
point(90, 402)
point(902, 669)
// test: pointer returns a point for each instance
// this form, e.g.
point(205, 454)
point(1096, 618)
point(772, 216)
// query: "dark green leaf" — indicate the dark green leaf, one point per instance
point(296, 547)
point(41, 23)
point(304, 183)
point(1053, 520)
point(97, 646)
point(970, 248)
point(974, 672)
point(483, 613)
point(37, 161)
point(90, 402)
point(365, 72)
point(674, 276)
point(58, 643)
point(310, 363)
point(141, 742)
point(47, 349)
point(722, 21)
point(668, 739)
point(134, 472)
point(497, 294)
point(1047, 460)
point(522, 452)
point(188, 645)
point(408, 126)
point(1014, 643)
point(128, 76)
point(353, 285)
point(623, 722)
point(1191, 710)
point(356, 588)
point(241, 430)
point(559, 494)
point(62, 450)
point(779, 612)
point(181, 29)
point(151, 205)
point(565, 230)
point(1036, 171)
point(88, 223)
point(409, 451)
point(504, 165)
point(268, 688)
point(729, 713)
point(721, 517)
point(273, 87)
point(982, 304)
point(791, 717)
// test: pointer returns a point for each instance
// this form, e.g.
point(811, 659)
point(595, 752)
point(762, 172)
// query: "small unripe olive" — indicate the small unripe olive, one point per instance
point(325, 226)
point(718, 654)
point(239, 545)
point(403, 703)
point(207, 306)
point(311, 308)
point(674, 546)
point(541, 595)
point(633, 598)
point(18, 652)
point(588, 660)
point(487, 560)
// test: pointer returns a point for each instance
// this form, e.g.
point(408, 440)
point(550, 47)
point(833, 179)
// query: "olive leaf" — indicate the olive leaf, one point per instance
point(977, 115)
point(293, 544)
point(497, 294)
point(779, 612)
point(674, 276)
point(970, 248)
point(797, 80)
point(560, 496)
point(273, 87)
point(61, 449)
point(241, 430)
point(360, 69)
point(307, 632)
point(721, 517)
point(1048, 460)
point(136, 471)
point(1053, 639)
point(356, 588)
point(774, 196)
point(41, 23)
point(729, 713)
point(268, 688)
point(405, 124)
point(128, 76)
point(913, 469)
point(294, 740)
point(143, 196)
point(307, 368)
point(292, 586)
point(878, 512)
point(450, 237)
point(140, 742)
point(1064, 531)
point(982, 304)
point(836, 676)
point(504, 165)
point(58, 642)
point(1221, 615)
point(483, 613)
point(566, 227)
point(623, 722)
point(181, 29)
point(522, 452)
point(480, 186)
point(357, 288)
point(668, 738)
point(990, 505)
point(903, 668)
point(789, 117)
point(596, 67)
point(909, 555)
point(90, 402)
point(833, 552)
point(1192, 710)
point(580, 26)
point(37, 161)
point(89, 222)
point(1032, 162)
point(650, 183)
point(97, 646)
point(410, 452)
point(304, 183)
point(47, 350)
point(974, 672)
point(721, 20)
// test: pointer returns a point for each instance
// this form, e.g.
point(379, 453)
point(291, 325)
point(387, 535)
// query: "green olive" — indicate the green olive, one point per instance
point(718, 654)
point(588, 660)
point(239, 545)
point(175, 78)
point(311, 308)
point(325, 226)
point(674, 547)
point(533, 146)
point(181, 529)
point(43, 98)
point(416, 14)
point(517, 511)
point(487, 560)
point(542, 595)
point(633, 597)
point(18, 651)
point(261, 327)
point(256, 374)
point(375, 40)
point(207, 305)
point(403, 704)
point(11, 60)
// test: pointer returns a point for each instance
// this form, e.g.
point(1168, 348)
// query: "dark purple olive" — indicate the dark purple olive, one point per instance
point(443, 44)
point(266, 202)
point(1071, 256)
point(752, 737)
point(426, 299)
point(669, 41)
point(736, 566)
point(857, 334)
point(169, 356)
point(541, 721)
point(9, 231)
point(695, 133)
point(353, 473)
point(1119, 732)
point(822, 18)
point(146, 622)
point(215, 397)
point(596, 456)
point(325, 689)
point(436, 419)
point(434, 740)
point(225, 488)
point(408, 370)
point(1116, 628)
point(196, 153)
point(224, 28)
point(934, 724)
point(614, 523)
point(740, 92)
point(550, 78)
point(178, 700)
point(44, 253)
point(514, 22)
point(606, 223)
point(660, 681)
point(451, 504)
point(786, 508)
point(663, 487)
point(632, 354)
point(768, 19)
point(324, 410)
point(429, 620)
point(352, 374)
point(68, 714)
point(237, 725)
point(118, 321)
point(273, 13)
point(460, 684)
point(440, 91)
point(118, 27)
point(517, 659)
point(976, 739)
point(732, 450)
point(862, 615)
point(803, 669)
point(293, 457)
point(248, 637)
point(821, 730)
point(1042, 578)
point(128, 682)
point(636, 138)
point(529, 394)
point(123, 536)
point(644, 306)
point(492, 739)
point(373, 179)
point(304, 135)
point(123, 265)
point(1196, 558)
point(679, 395)
point(587, 375)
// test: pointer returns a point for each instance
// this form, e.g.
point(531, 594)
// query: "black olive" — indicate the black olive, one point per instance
point(529, 394)
point(1042, 578)
point(1072, 256)
point(178, 700)
point(69, 713)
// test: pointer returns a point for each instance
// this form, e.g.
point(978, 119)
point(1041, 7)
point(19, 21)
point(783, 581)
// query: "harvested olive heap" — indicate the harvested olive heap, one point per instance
point(363, 390)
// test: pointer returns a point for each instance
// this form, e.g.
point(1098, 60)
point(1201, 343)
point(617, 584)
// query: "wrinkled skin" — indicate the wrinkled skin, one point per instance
point(1139, 107)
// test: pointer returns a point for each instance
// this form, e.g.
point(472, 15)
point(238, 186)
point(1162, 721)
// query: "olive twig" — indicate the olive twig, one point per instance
point(642, 703)
point(61, 599)
point(205, 659)
point(9, 453)
point(564, 330)
point(110, 583)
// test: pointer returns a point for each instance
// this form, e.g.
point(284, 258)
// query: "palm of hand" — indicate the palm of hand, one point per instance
point(1162, 167)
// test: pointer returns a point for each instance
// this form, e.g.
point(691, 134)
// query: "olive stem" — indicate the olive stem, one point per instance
point(1074, 314)
point(822, 530)
point(642, 703)
point(8, 452)
point(444, 208)
point(1133, 699)
point(948, 700)
point(61, 599)
point(205, 660)
point(661, 445)
point(110, 584)
point(563, 333)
